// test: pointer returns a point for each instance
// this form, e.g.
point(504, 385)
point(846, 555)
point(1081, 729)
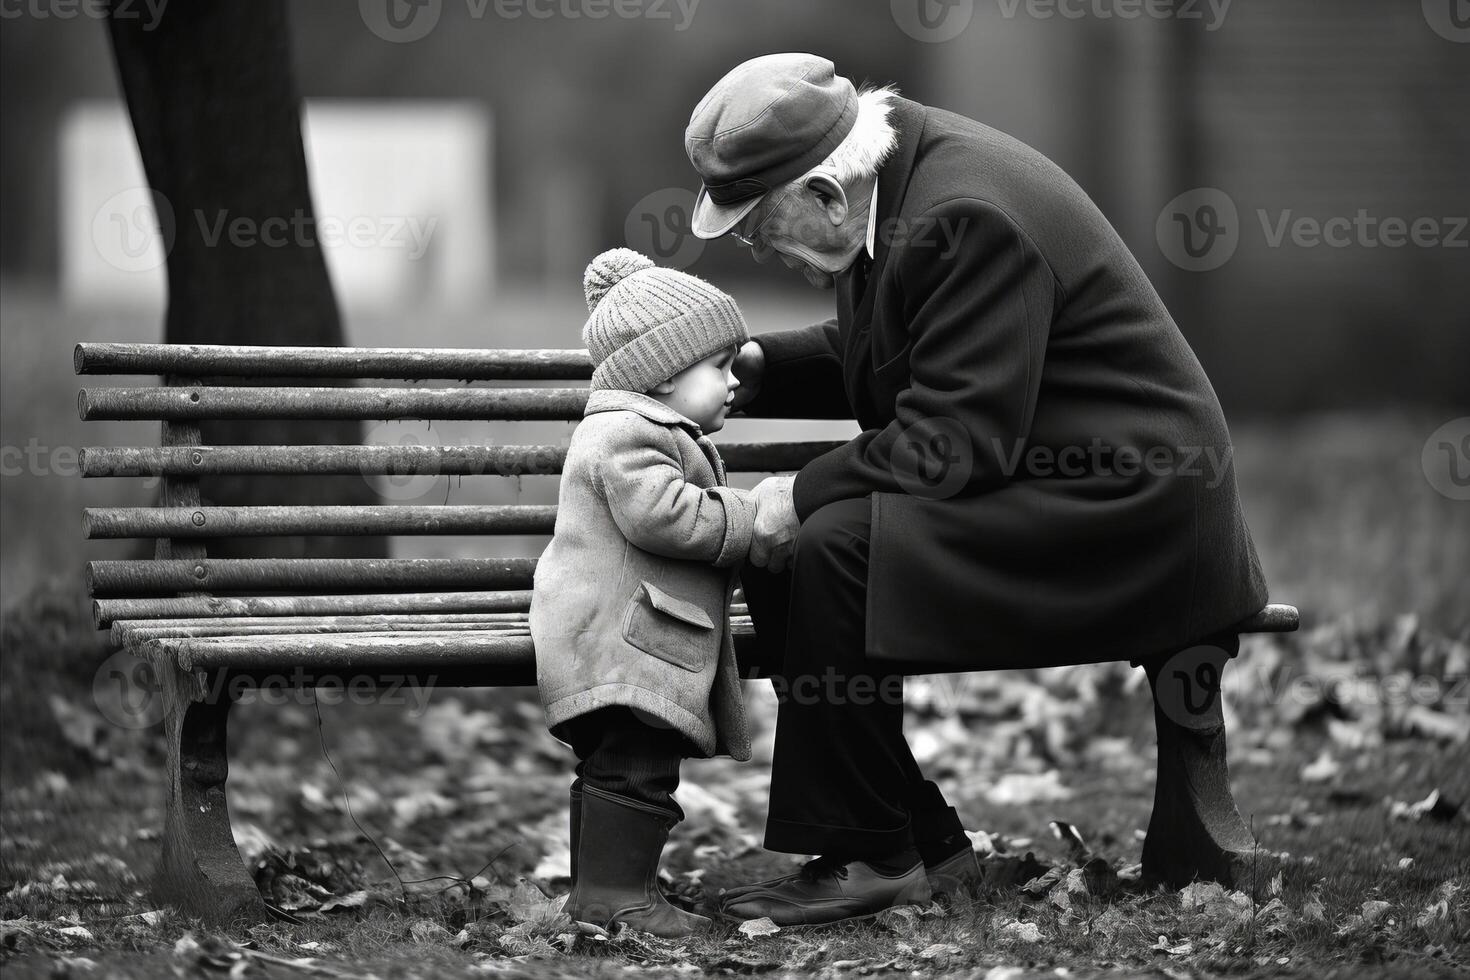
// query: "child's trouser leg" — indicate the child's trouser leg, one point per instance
point(619, 753)
point(625, 781)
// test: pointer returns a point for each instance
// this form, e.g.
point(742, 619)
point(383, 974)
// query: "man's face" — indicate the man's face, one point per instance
point(809, 226)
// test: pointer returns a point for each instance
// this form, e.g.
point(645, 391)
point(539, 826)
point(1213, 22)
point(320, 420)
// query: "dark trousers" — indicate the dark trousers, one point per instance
point(620, 753)
point(843, 780)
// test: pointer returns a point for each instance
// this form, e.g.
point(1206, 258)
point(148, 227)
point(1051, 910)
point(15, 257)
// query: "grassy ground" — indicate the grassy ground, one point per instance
point(474, 788)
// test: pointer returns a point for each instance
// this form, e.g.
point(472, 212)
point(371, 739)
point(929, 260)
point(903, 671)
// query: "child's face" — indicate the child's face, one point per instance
point(702, 391)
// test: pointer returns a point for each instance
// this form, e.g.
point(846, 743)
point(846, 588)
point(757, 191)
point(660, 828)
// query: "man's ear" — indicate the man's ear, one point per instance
point(662, 388)
point(829, 195)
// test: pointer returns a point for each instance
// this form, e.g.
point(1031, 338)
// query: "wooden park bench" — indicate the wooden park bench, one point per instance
point(213, 626)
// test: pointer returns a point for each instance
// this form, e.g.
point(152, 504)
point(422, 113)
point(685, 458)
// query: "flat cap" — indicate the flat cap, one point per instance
point(768, 121)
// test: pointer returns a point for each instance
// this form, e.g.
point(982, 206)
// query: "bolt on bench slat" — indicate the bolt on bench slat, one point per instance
point(215, 522)
point(95, 461)
point(105, 612)
point(136, 578)
point(204, 360)
point(202, 402)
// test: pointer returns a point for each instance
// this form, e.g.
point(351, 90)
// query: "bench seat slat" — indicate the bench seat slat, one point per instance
point(247, 361)
point(134, 634)
point(105, 612)
point(144, 577)
point(192, 461)
point(365, 650)
point(1274, 618)
point(204, 402)
point(408, 519)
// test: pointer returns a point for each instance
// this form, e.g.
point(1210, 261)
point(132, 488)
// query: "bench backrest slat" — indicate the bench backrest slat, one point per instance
point(229, 522)
point(243, 361)
point(105, 612)
point(528, 460)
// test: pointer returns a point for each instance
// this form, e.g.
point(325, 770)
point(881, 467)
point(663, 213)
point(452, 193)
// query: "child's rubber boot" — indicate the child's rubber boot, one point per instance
point(575, 815)
point(618, 851)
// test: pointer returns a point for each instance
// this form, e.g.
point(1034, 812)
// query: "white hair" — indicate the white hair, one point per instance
point(872, 139)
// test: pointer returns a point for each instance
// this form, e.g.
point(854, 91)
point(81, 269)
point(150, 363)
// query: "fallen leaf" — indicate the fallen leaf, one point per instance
point(759, 927)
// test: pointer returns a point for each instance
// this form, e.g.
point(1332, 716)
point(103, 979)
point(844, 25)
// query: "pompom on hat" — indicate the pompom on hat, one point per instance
point(646, 323)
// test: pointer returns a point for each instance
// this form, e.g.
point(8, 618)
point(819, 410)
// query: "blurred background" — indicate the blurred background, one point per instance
point(1292, 175)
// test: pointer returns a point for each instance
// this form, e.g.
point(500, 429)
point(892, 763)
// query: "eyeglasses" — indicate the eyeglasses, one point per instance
point(750, 238)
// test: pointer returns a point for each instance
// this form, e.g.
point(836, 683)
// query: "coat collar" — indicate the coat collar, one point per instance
point(908, 119)
point(617, 400)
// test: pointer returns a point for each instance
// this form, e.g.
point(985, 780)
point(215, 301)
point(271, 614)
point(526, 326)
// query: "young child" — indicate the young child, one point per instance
point(629, 614)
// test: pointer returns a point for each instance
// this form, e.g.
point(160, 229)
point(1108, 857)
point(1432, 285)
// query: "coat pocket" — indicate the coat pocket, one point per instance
point(664, 626)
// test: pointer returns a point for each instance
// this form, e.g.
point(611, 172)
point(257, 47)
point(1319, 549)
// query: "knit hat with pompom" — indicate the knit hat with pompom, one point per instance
point(647, 324)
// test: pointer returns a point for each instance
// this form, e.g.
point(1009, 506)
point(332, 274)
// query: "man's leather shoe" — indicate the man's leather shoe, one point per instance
point(959, 876)
point(956, 877)
point(825, 892)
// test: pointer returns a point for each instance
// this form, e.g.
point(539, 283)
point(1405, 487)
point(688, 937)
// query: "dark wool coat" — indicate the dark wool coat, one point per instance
point(1049, 467)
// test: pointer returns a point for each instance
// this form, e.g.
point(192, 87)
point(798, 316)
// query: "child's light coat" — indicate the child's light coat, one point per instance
point(632, 595)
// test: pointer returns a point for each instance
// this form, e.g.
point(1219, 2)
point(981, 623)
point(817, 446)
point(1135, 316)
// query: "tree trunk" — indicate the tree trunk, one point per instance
point(213, 100)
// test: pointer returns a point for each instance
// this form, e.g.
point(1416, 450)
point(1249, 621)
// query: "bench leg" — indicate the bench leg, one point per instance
point(201, 872)
point(1196, 831)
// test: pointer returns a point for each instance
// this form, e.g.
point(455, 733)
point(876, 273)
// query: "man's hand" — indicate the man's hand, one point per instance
point(750, 368)
point(776, 523)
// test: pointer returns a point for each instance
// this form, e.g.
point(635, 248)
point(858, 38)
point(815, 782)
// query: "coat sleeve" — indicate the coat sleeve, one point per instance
point(659, 511)
point(977, 333)
point(803, 376)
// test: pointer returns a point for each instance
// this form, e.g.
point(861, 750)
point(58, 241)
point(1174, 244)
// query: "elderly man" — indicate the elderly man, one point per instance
point(1042, 477)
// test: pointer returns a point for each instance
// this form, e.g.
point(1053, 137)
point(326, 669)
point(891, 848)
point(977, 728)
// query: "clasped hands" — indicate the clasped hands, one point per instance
point(774, 535)
point(776, 524)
